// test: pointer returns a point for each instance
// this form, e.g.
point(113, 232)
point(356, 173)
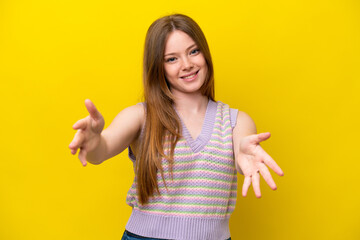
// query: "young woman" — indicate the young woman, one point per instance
point(185, 146)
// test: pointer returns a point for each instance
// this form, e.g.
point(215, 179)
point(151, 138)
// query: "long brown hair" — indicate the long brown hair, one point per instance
point(161, 118)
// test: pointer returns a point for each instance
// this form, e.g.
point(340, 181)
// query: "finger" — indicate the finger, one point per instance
point(255, 179)
point(267, 176)
point(82, 157)
point(81, 124)
point(94, 113)
point(246, 185)
point(257, 138)
point(268, 160)
point(263, 136)
point(77, 141)
point(73, 151)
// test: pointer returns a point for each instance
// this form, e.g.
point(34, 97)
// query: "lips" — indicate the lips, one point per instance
point(190, 75)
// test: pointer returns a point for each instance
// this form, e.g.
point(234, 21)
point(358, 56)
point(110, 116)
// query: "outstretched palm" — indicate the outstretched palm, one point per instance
point(252, 161)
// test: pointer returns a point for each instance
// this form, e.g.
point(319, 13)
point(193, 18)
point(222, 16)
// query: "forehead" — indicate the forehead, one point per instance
point(177, 42)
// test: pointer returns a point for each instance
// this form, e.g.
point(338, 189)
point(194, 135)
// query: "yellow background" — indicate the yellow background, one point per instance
point(291, 65)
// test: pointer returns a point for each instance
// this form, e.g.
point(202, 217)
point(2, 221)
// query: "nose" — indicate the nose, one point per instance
point(187, 64)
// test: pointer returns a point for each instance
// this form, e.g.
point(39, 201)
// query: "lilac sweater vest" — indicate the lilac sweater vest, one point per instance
point(199, 200)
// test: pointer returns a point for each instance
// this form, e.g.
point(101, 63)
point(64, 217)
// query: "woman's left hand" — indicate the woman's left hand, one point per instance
point(252, 161)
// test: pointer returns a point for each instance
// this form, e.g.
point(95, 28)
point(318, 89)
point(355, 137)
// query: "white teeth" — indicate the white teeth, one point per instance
point(189, 76)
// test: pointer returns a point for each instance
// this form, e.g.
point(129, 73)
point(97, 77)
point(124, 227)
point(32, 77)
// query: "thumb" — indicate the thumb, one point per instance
point(94, 113)
point(257, 138)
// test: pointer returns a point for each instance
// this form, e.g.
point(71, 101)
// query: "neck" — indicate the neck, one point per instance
point(191, 103)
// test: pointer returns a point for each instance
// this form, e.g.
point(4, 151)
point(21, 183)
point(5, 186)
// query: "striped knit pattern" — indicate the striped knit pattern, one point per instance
point(203, 190)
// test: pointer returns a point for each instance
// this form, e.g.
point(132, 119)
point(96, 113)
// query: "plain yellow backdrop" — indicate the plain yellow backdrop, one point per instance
point(291, 65)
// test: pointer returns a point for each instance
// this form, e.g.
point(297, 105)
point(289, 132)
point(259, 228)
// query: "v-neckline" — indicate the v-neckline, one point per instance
point(207, 127)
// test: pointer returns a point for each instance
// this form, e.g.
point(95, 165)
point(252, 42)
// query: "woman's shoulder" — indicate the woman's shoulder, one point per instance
point(134, 114)
point(243, 116)
point(238, 118)
point(137, 111)
point(244, 122)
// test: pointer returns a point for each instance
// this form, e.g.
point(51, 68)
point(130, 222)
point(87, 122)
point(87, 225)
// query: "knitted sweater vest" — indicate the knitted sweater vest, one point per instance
point(200, 198)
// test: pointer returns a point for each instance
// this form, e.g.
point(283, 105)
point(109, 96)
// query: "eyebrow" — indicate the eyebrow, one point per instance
point(193, 45)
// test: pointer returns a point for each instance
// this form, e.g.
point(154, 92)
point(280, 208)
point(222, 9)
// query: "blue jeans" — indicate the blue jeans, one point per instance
point(131, 236)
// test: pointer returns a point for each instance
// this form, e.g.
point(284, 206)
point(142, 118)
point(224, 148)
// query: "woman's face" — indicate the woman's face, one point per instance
point(185, 66)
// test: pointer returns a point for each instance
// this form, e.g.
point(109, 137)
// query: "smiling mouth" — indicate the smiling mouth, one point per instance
point(190, 76)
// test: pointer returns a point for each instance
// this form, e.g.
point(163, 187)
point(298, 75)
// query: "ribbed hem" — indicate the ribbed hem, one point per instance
point(233, 116)
point(178, 228)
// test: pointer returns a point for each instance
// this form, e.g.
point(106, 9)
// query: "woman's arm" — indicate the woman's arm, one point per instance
point(124, 130)
point(245, 126)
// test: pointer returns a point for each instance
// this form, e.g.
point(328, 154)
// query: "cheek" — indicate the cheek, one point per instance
point(170, 70)
point(204, 66)
point(201, 61)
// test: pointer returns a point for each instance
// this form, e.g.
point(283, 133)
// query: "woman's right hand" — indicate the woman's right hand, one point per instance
point(88, 134)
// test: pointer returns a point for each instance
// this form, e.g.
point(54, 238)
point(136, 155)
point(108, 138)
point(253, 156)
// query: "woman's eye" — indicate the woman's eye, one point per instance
point(195, 51)
point(170, 59)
